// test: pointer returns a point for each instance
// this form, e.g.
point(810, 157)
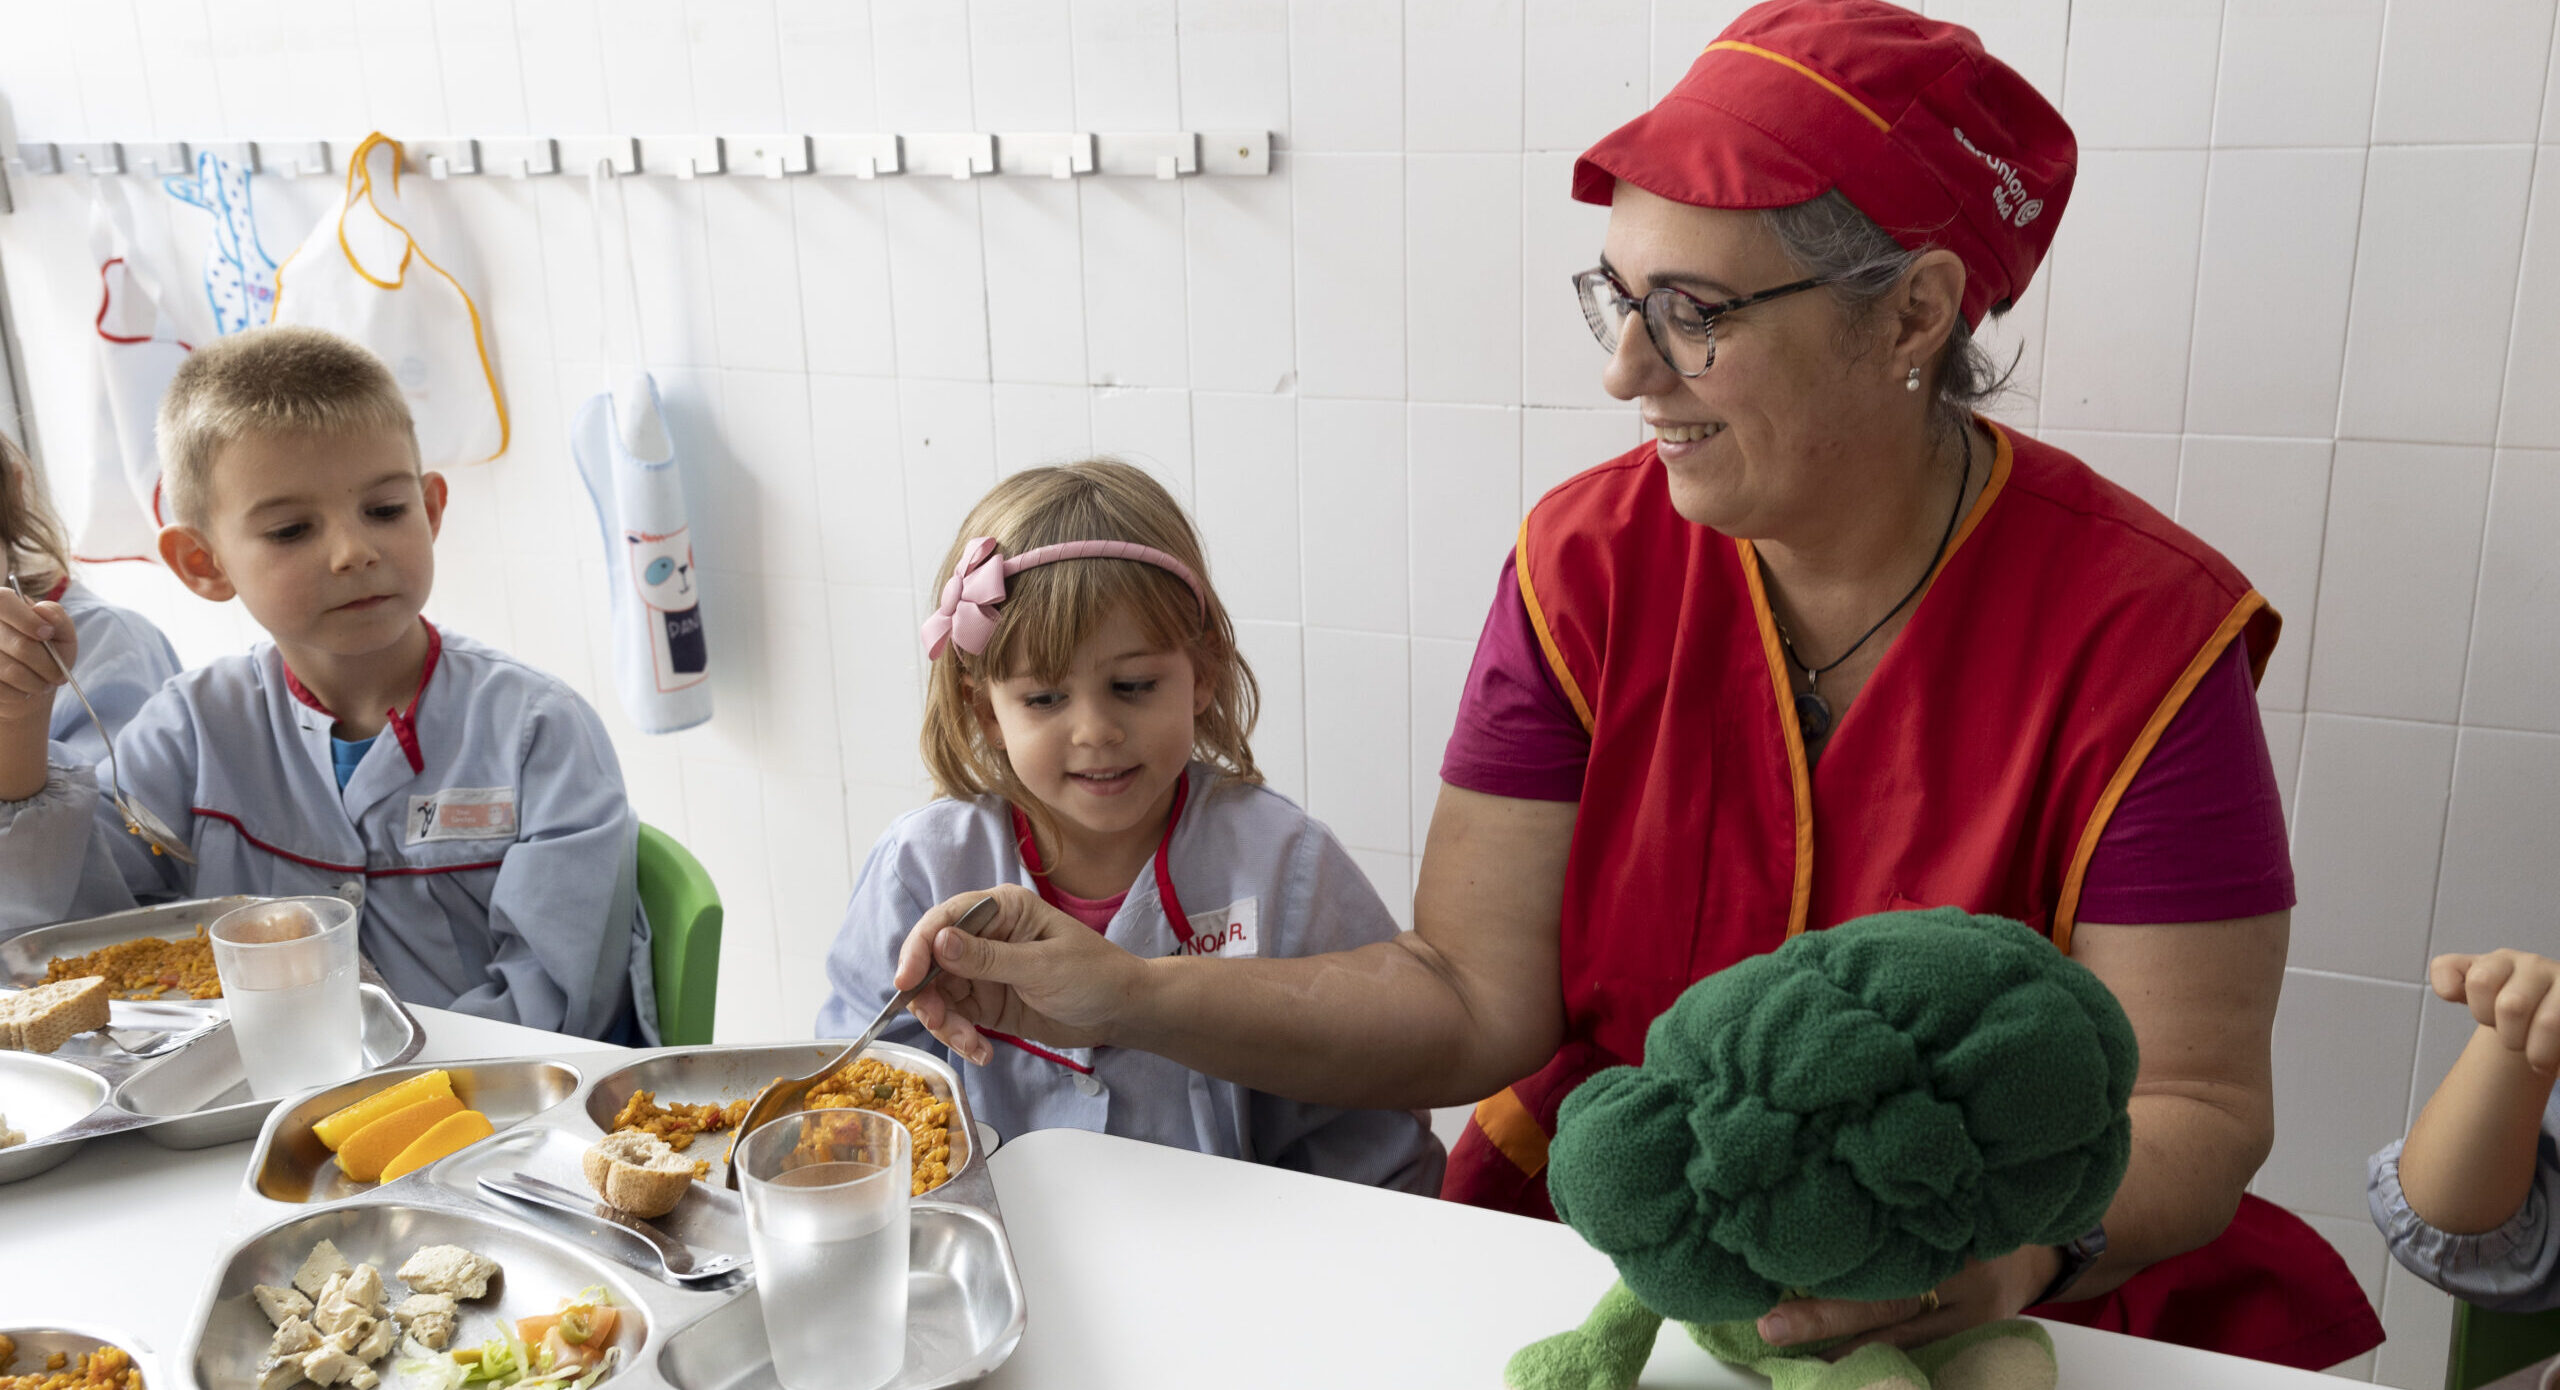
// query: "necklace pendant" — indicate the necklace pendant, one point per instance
point(1813, 716)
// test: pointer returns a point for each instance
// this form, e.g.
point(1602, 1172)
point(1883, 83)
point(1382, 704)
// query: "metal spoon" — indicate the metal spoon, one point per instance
point(137, 817)
point(786, 1093)
point(165, 1042)
point(674, 1256)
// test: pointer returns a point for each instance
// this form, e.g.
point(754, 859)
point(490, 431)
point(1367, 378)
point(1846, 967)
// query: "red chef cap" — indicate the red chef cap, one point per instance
point(1937, 141)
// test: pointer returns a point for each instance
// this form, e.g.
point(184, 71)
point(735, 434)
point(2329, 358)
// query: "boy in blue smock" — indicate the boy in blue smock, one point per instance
point(469, 802)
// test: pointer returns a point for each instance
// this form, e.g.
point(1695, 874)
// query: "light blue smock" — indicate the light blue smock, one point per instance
point(123, 661)
point(492, 849)
point(2512, 1268)
point(1240, 853)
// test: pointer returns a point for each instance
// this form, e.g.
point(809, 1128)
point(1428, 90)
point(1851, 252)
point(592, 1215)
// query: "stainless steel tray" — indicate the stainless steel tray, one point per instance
point(229, 1335)
point(192, 1098)
point(37, 1343)
point(965, 1304)
point(24, 954)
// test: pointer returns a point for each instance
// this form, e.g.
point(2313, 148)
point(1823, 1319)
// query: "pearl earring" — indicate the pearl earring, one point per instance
point(1912, 382)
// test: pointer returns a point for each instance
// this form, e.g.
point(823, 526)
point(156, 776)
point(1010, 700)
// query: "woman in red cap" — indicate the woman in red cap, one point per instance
point(1830, 644)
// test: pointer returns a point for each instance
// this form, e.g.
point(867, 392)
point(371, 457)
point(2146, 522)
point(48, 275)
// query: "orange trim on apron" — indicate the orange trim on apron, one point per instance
point(1800, 767)
point(1546, 639)
point(1514, 1131)
point(2067, 910)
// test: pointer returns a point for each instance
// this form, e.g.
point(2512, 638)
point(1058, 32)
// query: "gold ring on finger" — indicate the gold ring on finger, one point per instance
point(1928, 1302)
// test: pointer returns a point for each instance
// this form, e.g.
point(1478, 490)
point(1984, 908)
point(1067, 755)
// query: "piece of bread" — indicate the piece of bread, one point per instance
point(636, 1172)
point(44, 1018)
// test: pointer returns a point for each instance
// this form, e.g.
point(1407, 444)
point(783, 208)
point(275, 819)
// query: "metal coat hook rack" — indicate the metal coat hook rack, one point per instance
point(932, 154)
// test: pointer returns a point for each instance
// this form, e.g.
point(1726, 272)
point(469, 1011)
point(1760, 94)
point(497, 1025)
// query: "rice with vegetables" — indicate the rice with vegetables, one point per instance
point(147, 967)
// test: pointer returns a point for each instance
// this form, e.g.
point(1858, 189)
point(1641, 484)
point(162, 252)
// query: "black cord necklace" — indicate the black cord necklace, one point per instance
point(1813, 713)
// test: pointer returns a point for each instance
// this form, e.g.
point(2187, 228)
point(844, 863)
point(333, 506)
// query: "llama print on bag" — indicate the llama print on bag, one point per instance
point(662, 569)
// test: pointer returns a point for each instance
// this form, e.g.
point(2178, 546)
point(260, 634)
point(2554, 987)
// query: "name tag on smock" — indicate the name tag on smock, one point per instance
point(1230, 931)
point(462, 813)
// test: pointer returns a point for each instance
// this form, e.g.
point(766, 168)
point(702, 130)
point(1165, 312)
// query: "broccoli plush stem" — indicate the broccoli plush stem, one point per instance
point(1606, 1353)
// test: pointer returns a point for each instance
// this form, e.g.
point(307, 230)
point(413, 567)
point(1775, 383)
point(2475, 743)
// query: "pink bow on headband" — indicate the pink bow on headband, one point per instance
point(970, 597)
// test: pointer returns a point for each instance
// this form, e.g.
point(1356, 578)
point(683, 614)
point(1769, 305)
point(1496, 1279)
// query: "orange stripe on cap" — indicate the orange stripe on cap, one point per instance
point(2067, 910)
point(1821, 81)
point(1514, 1132)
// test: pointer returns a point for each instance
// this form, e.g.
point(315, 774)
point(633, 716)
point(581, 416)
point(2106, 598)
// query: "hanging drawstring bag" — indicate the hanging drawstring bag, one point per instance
point(137, 351)
point(363, 275)
point(661, 660)
point(239, 275)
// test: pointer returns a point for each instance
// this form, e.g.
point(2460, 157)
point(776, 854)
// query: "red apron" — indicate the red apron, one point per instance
point(2064, 629)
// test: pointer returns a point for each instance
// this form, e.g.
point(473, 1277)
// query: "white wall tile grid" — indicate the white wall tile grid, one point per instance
point(2305, 301)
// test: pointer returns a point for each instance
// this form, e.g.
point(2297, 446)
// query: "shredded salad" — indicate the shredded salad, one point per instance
point(568, 1350)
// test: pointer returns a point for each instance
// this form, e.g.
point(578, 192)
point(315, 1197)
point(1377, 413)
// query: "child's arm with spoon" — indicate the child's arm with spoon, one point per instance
point(28, 678)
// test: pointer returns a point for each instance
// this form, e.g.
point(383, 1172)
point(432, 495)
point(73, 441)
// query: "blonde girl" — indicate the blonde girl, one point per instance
point(121, 658)
point(1087, 722)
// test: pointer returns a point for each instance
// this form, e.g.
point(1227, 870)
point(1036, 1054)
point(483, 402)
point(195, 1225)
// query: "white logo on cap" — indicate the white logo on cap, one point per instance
point(2009, 195)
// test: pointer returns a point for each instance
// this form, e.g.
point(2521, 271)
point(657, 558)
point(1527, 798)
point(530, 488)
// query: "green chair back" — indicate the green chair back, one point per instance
point(2488, 1345)
point(684, 922)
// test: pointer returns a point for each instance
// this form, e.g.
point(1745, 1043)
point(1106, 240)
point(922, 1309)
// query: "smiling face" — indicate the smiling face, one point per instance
point(1791, 407)
point(1101, 745)
point(328, 540)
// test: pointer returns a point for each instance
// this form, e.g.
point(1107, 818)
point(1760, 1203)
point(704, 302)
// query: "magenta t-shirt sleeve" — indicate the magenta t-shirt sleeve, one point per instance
point(1516, 734)
point(2199, 836)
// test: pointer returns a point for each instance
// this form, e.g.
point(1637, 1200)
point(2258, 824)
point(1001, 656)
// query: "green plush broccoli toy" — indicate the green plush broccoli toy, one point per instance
point(1853, 1115)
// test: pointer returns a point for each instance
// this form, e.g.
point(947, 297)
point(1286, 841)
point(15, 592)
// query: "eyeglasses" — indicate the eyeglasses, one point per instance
point(1682, 326)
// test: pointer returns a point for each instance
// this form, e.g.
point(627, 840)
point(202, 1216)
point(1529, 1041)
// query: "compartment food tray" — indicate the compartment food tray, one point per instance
point(965, 1304)
point(191, 1098)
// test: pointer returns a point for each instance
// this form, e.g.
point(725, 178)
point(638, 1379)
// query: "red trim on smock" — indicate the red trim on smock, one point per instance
point(322, 864)
point(402, 722)
point(1068, 903)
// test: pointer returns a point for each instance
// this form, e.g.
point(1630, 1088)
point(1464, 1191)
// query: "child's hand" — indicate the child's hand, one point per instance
point(28, 675)
point(2513, 992)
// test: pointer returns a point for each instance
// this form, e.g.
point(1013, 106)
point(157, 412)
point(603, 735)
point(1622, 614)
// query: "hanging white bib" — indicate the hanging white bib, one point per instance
point(137, 352)
point(624, 453)
point(362, 274)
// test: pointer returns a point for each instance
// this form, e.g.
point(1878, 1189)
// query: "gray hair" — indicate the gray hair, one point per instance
point(1828, 237)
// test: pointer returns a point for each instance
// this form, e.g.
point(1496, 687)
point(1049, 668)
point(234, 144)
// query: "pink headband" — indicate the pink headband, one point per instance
point(969, 600)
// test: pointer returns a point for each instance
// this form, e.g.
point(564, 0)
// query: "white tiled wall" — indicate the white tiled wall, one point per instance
point(2307, 298)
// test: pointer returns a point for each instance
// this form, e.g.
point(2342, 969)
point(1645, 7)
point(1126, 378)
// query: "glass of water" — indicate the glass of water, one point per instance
point(288, 969)
point(826, 1194)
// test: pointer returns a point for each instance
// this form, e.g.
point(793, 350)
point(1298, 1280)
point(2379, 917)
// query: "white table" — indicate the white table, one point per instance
point(1141, 1266)
point(1147, 1266)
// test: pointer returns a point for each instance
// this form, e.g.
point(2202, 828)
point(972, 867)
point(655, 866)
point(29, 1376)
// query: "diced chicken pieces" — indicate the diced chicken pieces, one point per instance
point(337, 1314)
point(281, 1303)
point(449, 1269)
point(365, 1378)
point(364, 1288)
point(323, 1262)
point(279, 1373)
point(377, 1343)
point(293, 1337)
point(429, 1317)
point(330, 1364)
